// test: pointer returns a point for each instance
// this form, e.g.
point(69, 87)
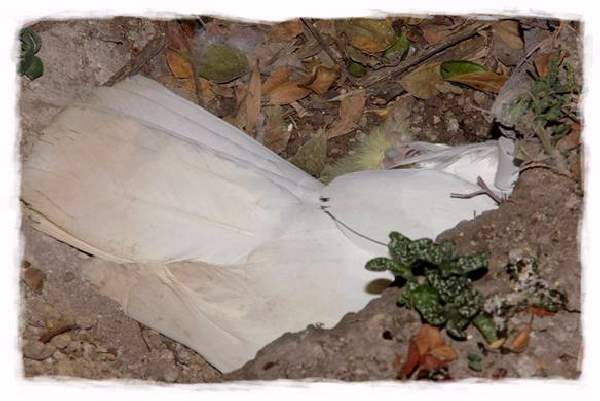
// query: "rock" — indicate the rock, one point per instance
point(34, 278)
point(61, 341)
point(38, 350)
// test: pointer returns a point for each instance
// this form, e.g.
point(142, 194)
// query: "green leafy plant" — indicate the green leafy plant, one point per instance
point(438, 284)
point(30, 65)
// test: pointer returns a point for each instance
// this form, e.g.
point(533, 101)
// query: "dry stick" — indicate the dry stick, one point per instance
point(391, 72)
point(151, 50)
point(317, 35)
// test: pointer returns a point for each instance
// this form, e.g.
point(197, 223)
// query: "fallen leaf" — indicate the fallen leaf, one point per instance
point(183, 87)
point(540, 312)
point(207, 91)
point(179, 65)
point(277, 77)
point(431, 363)
point(369, 35)
point(434, 34)
point(427, 338)
point(252, 100)
point(221, 90)
point(542, 62)
point(453, 68)
point(287, 92)
point(285, 31)
point(276, 135)
point(351, 110)
point(508, 32)
point(521, 340)
point(221, 63)
point(570, 141)
point(34, 278)
point(423, 81)
point(412, 362)
point(485, 81)
point(322, 79)
point(444, 353)
point(472, 74)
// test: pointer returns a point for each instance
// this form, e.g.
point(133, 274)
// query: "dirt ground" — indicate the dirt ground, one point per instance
point(68, 329)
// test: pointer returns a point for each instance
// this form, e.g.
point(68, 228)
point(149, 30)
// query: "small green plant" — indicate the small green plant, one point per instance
point(30, 65)
point(438, 284)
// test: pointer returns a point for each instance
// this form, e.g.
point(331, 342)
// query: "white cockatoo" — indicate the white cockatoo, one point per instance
point(203, 234)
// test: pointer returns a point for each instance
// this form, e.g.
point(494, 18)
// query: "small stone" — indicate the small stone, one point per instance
point(171, 374)
point(436, 120)
point(34, 278)
point(85, 322)
point(61, 341)
point(38, 350)
point(526, 366)
point(452, 125)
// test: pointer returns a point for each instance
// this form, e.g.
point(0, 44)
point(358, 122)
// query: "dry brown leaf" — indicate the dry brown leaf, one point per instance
point(276, 134)
point(444, 353)
point(542, 62)
point(369, 35)
point(207, 91)
point(285, 31)
point(486, 81)
point(431, 363)
point(351, 111)
point(412, 362)
point(434, 34)
point(570, 141)
point(322, 79)
point(277, 77)
point(424, 81)
point(221, 90)
point(540, 312)
point(179, 65)
point(252, 101)
point(508, 32)
point(183, 87)
point(287, 92)
point(427, 338)
point(521, 340)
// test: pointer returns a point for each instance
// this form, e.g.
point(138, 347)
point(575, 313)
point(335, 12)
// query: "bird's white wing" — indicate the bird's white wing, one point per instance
point(414, 202)
point(131, 179)
point(310, 274)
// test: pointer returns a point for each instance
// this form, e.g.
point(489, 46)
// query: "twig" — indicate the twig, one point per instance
point(49, 335)
point(151, 50)
point(485, 190)
point(394, 72)
point(317, 35)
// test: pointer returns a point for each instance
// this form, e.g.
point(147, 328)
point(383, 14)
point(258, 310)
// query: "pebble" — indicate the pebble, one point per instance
point(171, 374)
point(34, 278)
point(38, 350)
point(61, 341)
point(452, 125)
point(85, 322)
point(526, 366)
